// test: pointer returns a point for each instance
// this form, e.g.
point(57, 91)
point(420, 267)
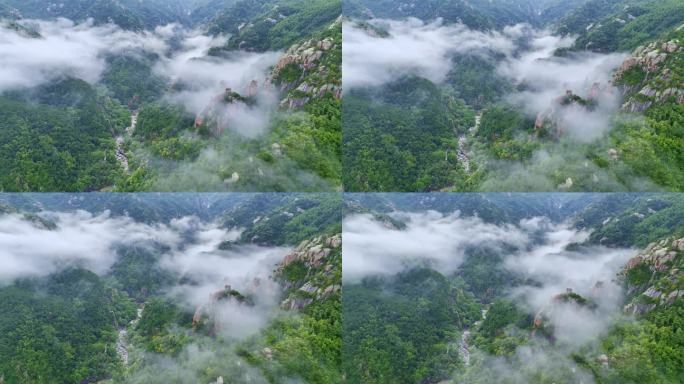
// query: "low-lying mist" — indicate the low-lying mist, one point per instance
point(550, 261)
point(376, 248)
point(230, 287)
point(411, 47)
point(188, 248)
point(524, 55)
point(195, 79)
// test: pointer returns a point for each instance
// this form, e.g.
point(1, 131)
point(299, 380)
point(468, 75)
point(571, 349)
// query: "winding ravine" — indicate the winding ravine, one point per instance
point(122, 341)
point(462, 155)
point(464, 346)
point(120, 140)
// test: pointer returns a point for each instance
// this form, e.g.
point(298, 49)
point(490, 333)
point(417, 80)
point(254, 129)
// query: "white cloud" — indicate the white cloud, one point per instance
point(371, 248)
point(525, 55)
point(538, 251)
point(66, 49)
point(547, 78)
point(588, 272)
point(413, 47)
point(81, 239)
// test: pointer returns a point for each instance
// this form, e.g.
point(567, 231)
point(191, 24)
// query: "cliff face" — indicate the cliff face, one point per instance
point(655, 276)
point(216, 116)
point(206, 315)
point(555, 118)
point(311, 272)
point(542, 323)
point(654, 74)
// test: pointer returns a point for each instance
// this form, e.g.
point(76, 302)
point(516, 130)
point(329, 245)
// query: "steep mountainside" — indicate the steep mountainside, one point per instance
point(617, 25)
point(129, 14)
point(654, 277)
point(653, 75)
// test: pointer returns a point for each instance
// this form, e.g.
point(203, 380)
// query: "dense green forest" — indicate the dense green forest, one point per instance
point(477, 323)
point(487, 128)
point(147, 112)
point(68, 320)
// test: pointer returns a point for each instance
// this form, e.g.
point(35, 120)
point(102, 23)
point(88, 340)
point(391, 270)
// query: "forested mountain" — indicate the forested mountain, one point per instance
point(171, 96)
point(571, 289)
point(513, 95)
point(129, 14)
point(170, 288)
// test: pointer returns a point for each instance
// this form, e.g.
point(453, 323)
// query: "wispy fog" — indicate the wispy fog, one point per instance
point(66, 49)
point(536, 250)
point(373, 247)
point(29, 249)
point(195, 79)
point(525, 55)
point(545, 78)
point(412, 47)
point(32, 248)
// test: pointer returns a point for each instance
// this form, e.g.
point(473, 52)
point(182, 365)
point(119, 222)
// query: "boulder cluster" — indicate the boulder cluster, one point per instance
point(662, 261)
point(656, 86)
point(316, 255)
point(307, 57)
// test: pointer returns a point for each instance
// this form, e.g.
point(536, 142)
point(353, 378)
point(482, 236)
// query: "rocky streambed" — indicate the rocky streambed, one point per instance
point(462, 154)
point(122, 341)
point(464, 346)
point(120, 140)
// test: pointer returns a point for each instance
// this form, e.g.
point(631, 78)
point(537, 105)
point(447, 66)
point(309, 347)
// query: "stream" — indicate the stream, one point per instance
point(462, 155)
point(122, 341)
point(464, 346)
point(120, 140)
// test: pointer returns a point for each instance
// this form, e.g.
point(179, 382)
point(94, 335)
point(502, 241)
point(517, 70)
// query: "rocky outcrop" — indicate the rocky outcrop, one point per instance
point(646, 78)
point(552, 119)
point(542, 324)
point(218, 113)
point(207, 313)
point(312, 252)
point(654, 276)
point(321, 258)
point(301, 73)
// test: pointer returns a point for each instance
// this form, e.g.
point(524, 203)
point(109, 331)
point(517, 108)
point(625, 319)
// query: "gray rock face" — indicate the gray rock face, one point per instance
point(295, 304)
point(650, 59)
point(638, 309)
point(294, 103)
point(648, 91)
point(636, 106)
point(661, 286)
point(674, 295)
point(652, 293)
point(308, 288)
point(678, 245)
point(316, 254)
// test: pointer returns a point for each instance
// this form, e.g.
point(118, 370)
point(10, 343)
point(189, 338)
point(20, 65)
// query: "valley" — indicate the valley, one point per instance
point(170, 288)
point(513, 288)
point(574, 96)
point(170, 96)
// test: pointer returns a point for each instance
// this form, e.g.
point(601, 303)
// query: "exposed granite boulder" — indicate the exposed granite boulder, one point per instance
point(321, 259)
point(646, 77)
point(654, 277)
